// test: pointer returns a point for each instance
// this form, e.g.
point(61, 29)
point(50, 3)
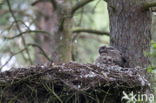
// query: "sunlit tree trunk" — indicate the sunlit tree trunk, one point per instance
point(130, 30)
point(55, 18)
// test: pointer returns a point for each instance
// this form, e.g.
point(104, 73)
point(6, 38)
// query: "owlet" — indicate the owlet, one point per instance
point(109, 56)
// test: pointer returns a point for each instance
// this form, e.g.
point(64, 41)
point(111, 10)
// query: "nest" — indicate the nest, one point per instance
point(69, 83)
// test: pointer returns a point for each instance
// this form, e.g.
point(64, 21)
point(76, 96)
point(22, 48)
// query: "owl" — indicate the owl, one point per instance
point(109, 56)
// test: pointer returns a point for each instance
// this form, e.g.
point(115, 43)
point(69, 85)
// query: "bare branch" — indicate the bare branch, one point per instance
point(79, 5)
point(96, 5)
point(13, 54)
point(1, 4)
point(8, 28)
point(105, 1)
point(22, 33)
point(54, 3)
point(91, 31)
point(18, 28)
point(38, 1)
point(42, 51)
point(26, 48)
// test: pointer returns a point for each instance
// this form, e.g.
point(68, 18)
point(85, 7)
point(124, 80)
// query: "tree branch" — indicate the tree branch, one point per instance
point(53, 2)
point(20, 34)
point(18, 28)
point(38, 1)
point(41, 49)
point(147, 5)
point(13, 54)
point(1, 4)
point(26, 48)
point(79, 5)
point(91, 31)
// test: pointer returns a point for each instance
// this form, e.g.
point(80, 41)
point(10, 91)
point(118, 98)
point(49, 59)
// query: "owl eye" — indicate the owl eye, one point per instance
point(102, 50)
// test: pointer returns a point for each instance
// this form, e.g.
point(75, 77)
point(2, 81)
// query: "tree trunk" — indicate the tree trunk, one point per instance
point(55, 19)
point(130, 30)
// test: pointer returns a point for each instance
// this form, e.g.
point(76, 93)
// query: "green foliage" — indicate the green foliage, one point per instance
point(152, 69)
point(152, 55)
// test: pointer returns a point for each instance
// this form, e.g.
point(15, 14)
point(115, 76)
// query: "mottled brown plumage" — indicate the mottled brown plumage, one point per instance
point(109, 56)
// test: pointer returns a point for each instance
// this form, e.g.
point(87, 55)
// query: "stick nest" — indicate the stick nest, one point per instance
point(64, 82)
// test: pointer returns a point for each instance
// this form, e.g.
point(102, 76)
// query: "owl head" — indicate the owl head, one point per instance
point(106, 49)
point(109, 50)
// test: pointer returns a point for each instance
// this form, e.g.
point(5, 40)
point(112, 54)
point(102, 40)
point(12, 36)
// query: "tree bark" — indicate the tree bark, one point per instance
point(130, 30)
point(55, 18)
